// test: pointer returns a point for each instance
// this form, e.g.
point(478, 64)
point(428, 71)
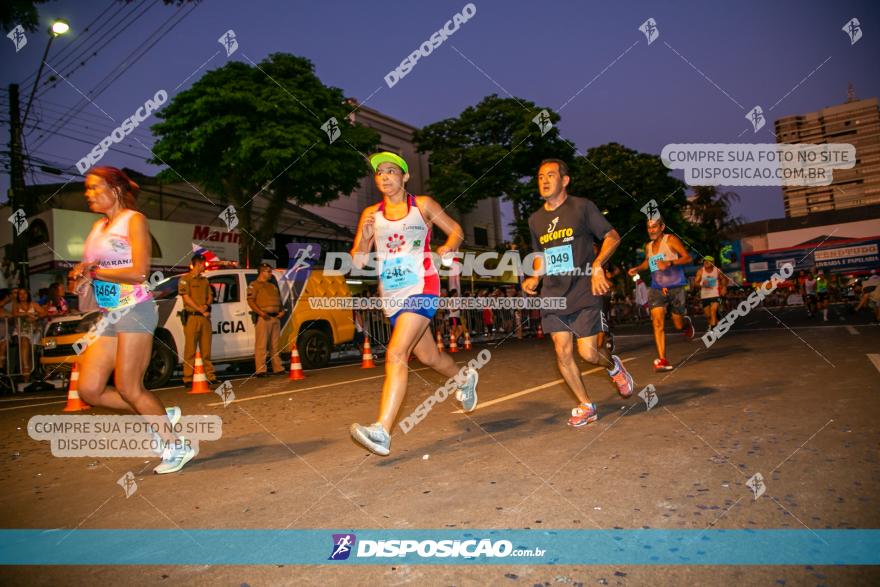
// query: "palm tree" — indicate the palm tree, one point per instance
point(709, 209)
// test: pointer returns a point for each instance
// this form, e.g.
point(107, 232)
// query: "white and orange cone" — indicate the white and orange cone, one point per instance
point(467, 340)
point(74, 403)
point(296, 368)
point(540, 332)
point(200, 382)
point(367, 360)
point(440, 342)
point(453, 344)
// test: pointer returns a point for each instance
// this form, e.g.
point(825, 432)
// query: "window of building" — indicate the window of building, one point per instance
point(481, 236)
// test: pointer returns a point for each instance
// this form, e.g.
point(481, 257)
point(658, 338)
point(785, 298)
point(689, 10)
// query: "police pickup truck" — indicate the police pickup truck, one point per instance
point(316, 332)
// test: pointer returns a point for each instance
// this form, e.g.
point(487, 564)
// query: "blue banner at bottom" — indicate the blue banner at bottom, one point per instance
point(480, 547)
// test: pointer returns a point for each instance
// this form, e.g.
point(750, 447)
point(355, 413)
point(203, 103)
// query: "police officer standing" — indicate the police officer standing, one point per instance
point(196, 292)
point(265, 300)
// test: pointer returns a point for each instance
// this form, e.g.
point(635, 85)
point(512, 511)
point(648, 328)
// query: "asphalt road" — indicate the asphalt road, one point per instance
point(793, 399)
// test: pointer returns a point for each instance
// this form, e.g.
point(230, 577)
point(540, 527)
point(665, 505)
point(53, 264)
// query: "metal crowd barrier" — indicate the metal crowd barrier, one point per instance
point(18, 340)
point(482, 325)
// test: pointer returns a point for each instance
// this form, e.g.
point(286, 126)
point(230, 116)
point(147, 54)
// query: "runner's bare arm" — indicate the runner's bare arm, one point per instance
point(684, 258)
point(530, 284)
point(437, 216)
point(598, 281)
point(641, 266)
point(609, 245)
point(139, 236)
point(363, 240)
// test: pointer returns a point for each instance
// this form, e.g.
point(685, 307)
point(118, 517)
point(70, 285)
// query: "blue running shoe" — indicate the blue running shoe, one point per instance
point(373, 437)
point(175, 458)
point(467, 393)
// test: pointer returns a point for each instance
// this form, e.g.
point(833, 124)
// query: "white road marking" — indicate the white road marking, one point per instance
point(249, 377)
point(851, 330)
point(516, 394)
point(875, 358)
point(290, 391)
point(32, 406)
point(234, 401)
point(31, 399)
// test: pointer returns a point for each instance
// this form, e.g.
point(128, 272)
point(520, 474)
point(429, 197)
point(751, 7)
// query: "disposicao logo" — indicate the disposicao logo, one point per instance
point(343, 544)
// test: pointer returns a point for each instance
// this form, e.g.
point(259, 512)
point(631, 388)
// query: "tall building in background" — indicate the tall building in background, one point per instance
point(856, 122)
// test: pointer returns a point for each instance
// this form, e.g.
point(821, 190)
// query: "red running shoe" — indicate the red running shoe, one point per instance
point(623, 380)
point(688, 329)
point(662, 365)
point(583, 415)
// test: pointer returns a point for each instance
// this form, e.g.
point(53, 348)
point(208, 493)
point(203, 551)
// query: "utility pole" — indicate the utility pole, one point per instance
point(17, 197)
point(16, 183)
point(16, 171)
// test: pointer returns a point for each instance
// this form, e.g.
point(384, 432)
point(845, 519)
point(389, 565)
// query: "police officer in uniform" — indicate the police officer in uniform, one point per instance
point(197, 295)
point(265, 300)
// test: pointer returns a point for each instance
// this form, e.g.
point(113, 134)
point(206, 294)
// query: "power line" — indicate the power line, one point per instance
point(105, 127)
point(92, 139)
point(96, 37)
point(101, 44)
point(93, 143)
point(36, 164)
point(101, 123)
point(80, 39)
point(95, 135)
point(121, 68)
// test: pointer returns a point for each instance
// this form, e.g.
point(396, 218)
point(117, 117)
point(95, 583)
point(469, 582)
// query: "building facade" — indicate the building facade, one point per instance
point(837, 241)
point(856, 122)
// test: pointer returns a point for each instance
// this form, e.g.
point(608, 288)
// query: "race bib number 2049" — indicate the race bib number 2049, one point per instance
point(559, 260)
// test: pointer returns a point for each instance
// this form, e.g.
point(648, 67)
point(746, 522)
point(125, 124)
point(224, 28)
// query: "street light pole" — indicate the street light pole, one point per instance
point(27, 109)
point(16, 171)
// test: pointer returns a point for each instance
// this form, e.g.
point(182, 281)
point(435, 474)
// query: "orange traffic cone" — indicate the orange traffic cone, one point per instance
point(200, 382)
point(440, 341)
point(367, 361)
point(453, 344)
point(467, 340)
point(74, 404)
point(296, 368)
point(540, 332)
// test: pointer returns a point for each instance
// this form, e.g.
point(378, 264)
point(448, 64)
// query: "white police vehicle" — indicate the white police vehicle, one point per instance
point(316, 332)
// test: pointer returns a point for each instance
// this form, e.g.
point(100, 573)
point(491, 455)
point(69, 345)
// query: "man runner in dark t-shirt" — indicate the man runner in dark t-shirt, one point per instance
point(563, 231)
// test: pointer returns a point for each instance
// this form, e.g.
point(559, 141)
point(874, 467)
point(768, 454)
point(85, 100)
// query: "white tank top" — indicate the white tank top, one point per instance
point(810, 286)
point(109, 246)
point(709, 284)
point(403, 249)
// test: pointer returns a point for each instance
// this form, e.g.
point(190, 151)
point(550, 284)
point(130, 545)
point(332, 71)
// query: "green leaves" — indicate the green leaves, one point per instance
point(487, 151)
point(242, 130)
point(494, 149)
point(622, 181)
point(710, 211)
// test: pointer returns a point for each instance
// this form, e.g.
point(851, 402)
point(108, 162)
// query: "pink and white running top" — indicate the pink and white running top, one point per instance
point(404, 253)
point(109, 246)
